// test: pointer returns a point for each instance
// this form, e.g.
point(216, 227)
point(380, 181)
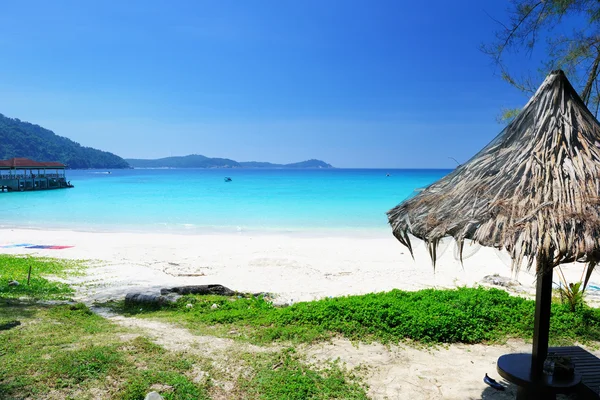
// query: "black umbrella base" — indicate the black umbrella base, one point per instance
point(516, 368)
point(534, 394)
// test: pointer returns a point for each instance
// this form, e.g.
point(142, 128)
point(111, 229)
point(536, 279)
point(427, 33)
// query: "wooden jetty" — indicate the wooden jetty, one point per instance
point(23, 174)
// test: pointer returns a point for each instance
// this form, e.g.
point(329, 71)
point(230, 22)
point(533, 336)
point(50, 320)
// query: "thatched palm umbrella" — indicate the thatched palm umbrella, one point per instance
point(533, 191)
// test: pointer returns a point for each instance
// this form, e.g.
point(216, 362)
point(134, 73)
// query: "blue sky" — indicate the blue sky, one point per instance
point(366, 84)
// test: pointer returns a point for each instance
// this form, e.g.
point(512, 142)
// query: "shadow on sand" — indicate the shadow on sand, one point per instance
point(511, 393)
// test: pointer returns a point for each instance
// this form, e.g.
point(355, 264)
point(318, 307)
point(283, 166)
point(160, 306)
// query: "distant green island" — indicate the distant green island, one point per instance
point(199, 161)
point(26, 140)
point(22, 139)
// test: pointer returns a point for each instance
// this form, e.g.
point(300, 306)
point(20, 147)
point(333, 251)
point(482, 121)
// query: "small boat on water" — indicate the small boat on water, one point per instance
point(227, 179)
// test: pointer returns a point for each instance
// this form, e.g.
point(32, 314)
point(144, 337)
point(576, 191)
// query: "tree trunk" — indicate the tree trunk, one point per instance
point(587, 91)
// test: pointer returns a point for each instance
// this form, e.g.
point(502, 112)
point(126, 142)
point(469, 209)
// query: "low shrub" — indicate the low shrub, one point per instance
point(467, 315)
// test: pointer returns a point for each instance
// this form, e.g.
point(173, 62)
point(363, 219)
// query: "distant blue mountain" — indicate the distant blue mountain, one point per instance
point(302, 164)
point(200, 161)
point(191, 161)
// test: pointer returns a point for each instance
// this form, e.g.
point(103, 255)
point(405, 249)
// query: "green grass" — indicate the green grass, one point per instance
point(66, 351)
point(286, 375)
point(467, 315)
point(69, 350)
point(164, 368)
point(72, 367)
point(39, 288)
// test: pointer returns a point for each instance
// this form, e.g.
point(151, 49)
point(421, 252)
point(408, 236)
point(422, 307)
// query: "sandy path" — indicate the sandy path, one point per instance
point(400, 372)
point(174, 338)
point(393, 372)
point(220, 351)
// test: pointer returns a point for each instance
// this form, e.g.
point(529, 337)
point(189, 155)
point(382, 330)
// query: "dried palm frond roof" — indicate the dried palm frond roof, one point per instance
point(533, 190)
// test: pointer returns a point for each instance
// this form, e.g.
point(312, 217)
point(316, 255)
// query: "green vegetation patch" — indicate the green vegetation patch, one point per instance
point(467, 315)
point(70, 352)
point(178, 386)
point(52, 349)
point(72, 367)
point(23, 139)
point(16, 268)
point(285, 375)
point(166, 369)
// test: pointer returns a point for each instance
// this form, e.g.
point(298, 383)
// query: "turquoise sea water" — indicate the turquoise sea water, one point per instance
point(199, 201)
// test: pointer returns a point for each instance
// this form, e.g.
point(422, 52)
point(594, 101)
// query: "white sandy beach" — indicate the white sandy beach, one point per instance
point(294, 268)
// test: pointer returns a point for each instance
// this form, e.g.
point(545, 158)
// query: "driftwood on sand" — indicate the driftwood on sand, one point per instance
point(171, 295)
point(200, 289)
point(150, 299)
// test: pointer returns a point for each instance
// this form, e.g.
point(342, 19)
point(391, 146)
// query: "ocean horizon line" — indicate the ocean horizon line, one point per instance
point(266, 169)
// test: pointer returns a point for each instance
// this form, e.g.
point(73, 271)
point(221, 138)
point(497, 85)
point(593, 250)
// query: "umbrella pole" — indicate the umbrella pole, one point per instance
point(541, 330)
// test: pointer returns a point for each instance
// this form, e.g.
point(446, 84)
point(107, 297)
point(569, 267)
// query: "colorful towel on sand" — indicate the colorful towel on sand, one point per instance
point(35, 246)
point(51, 247)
